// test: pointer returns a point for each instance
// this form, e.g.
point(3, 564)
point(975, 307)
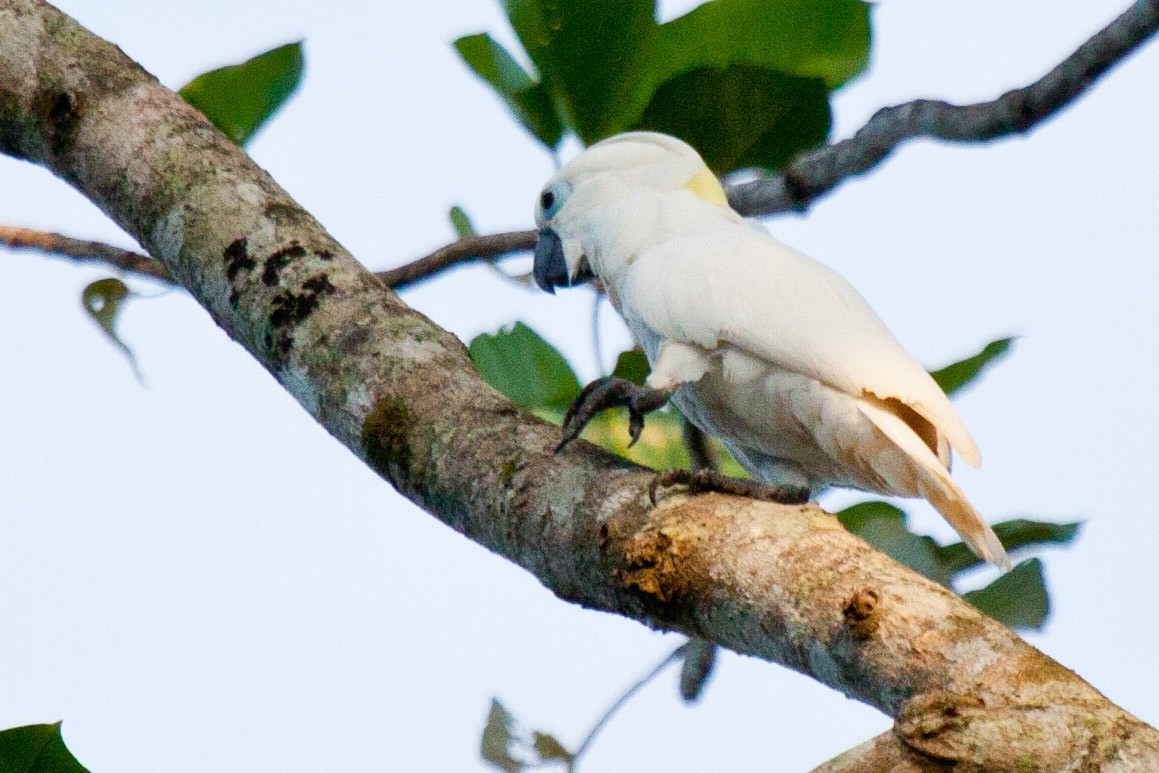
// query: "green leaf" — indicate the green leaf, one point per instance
point(240, 98)
point(103, 300)
point(529, 371)
point(961, 374)
point(745, 81)
point(1017, 598)
point(499, 739)
point(594, 56)
point(884, 526)
point(825, 39)
point(36, 749)
point(742, 115)
point(1014, 535)
point(632, 366)
point(461, 222)
point(548, 748)
point(527, 98)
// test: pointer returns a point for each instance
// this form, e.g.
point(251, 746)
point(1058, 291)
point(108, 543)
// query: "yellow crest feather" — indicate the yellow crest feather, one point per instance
point(706, 187)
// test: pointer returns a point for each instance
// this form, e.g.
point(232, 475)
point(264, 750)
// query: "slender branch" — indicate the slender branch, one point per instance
point(786, 584)
point(817, 172)
point(82, 251)
point(464, 250)
point(642, 682)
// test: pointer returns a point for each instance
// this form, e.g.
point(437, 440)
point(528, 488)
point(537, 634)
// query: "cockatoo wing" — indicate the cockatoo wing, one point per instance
point(728, 284)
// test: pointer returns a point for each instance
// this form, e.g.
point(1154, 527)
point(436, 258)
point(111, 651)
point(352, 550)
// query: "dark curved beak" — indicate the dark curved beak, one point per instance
point(549, 269)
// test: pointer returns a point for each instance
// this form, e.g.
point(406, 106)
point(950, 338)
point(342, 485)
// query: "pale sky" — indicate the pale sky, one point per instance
point(195, 577)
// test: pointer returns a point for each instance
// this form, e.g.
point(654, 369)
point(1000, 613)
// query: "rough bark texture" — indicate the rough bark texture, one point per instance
point(786, 584)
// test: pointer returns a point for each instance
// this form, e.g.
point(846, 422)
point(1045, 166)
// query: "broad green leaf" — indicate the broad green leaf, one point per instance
point(825, 39)
point(527, 98)
point(884, 526)
point(36, 749)
point(529, 371)
point(461, 222)
point(240, 98)
point(744, 81)
point(103, 300)
point(548, 748)
point(741, 115)
point(499, 738)
point(632, 366)
point(594, 56)
point(1017, 598)
point(961, 374)
point(1015, 534)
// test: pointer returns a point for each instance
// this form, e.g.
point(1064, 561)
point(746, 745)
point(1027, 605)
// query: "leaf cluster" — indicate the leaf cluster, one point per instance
point(746, 82)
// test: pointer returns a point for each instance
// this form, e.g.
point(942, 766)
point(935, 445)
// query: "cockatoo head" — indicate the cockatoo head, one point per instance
point(596, 198)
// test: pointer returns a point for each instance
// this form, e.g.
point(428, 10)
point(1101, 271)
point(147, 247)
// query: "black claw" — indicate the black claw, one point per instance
point(606, 393)
point(635, 426)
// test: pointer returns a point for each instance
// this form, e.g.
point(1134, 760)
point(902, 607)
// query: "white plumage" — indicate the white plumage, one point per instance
point(765, 348)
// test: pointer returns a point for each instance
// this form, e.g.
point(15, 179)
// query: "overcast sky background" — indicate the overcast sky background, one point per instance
point(195, 577)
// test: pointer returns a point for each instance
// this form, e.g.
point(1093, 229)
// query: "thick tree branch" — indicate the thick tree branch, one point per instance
point(817, 172)
point(787, 584)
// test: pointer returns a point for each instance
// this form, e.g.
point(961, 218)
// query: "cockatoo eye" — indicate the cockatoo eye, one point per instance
point(553, 198)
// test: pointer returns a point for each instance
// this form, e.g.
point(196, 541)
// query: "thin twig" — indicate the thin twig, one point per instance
point(466, 249)
point(462, 251)
point(817, 172)
point(673, 656)
point(82, 251)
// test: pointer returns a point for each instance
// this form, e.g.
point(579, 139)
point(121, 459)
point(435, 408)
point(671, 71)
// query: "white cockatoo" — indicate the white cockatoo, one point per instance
point(757, 344)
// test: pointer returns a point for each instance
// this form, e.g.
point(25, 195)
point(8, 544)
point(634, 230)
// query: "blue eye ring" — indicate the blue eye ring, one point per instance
point(552, 199)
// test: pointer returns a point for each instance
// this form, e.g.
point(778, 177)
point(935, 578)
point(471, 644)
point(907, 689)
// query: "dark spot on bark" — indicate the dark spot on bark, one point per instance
point(237, 258)
point(234, 295)
point(319, 284)
point(289, 309)
point(60, 113)
point(325, 254)
point(861, 613)
point(384, 439)
point(275, 263)
point(269, 341)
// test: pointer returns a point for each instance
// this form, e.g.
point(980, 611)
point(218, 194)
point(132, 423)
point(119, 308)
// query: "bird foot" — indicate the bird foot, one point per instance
point(703, 481)
point(610, 393)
